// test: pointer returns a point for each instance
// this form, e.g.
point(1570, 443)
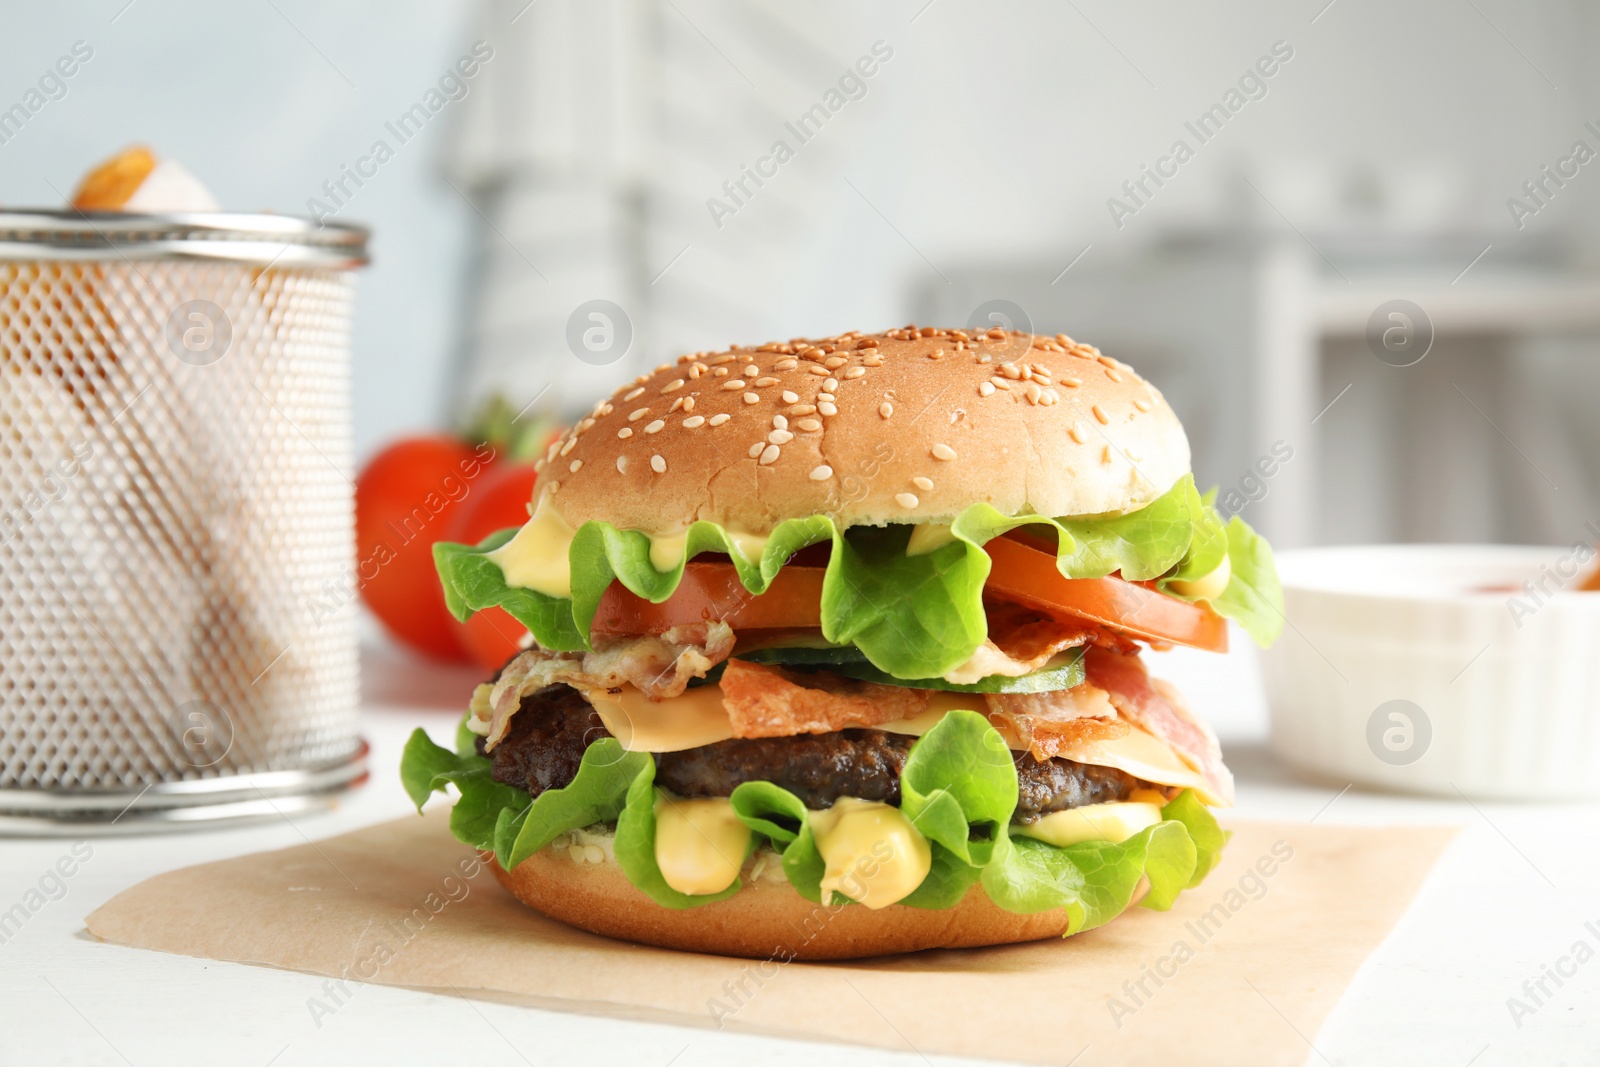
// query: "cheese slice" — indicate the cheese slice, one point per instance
point(698, 718)
point(1114, 821)
point(643, 725)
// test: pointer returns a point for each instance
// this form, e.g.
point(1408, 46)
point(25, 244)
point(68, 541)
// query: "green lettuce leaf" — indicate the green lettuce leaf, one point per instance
point(1253, 598)
point(636, 846)
point(1093, 880)
point(913, 617)
point(427, 768)
point(959, 786)
point(1203, 830)
point(595, 795)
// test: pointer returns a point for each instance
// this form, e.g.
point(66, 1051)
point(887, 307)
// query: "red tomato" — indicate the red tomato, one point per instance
point(714, 591)
point(499, 500)
point(1029, 576)
point(406, 499)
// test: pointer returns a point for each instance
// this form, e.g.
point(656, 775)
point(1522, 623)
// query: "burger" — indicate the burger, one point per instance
point(835, 649)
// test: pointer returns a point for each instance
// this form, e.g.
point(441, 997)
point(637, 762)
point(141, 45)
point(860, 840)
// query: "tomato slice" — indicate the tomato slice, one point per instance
point(714, 591)
point(1029, 576)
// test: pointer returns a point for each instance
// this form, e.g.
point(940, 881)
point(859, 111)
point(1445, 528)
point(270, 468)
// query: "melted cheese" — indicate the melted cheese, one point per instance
point(1208, 587)
point(536, 557)
point(872, 853)
point(1114, 821)
point(700, 844)
point(927, 536)
point(667, 549)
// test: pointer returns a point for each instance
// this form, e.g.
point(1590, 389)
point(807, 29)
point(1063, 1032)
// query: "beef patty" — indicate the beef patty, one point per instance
point(553, 727)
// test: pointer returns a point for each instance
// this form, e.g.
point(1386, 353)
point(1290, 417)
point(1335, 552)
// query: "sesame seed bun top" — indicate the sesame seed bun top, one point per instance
point(906, 426)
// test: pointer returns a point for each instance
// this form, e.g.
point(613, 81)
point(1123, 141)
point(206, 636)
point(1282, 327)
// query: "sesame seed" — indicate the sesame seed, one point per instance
point(1105, 454)
point(790, 397)
point(575, 466)
point(827, 409)
point(585, 424)
point(1033, 392)
point(538, 466)
point(1100, 415)
point(632, 394)
point(1048, 397)
point(654, 427)
point(779, 422)
point(809, 425)
point(768, 455)
point(718, 420)
point(803, 409)
point(1010, 370)
point(906, 500)
point(676, 404)
point(694, 421)
point(821, 473)
point(855, 372)
point(637, 414)
point(925, 484)
point(724, 358)
point(658, 464)
point(604, 409)
point(786, 364)
point(1113, 375)
point(779, 437)
point(1143, 404)
point(886, 409)
point(831, 385)
point(622, 464)
point(733, 383)
point(821, 372)
point(688, 403)
point(755, 449)
point(719, 372)
point(826, 398)
point(768, 380)
point(752, 398)
point(625, 433)
point(1072, 383)
point(1077, 433)
point(673, 386)
point(867, 342)
point(1063, 339)
point(871, 359)
point(568, 447)
point(835, 362)
point(943, 451)
point(986, 389)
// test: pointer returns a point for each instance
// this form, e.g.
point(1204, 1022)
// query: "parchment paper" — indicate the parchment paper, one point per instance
point(1237, 972)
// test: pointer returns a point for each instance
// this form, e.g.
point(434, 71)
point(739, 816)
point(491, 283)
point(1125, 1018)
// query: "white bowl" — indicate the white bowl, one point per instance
point(1429, 669)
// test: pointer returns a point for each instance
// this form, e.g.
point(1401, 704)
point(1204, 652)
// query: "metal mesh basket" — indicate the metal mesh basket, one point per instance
point(177, 619)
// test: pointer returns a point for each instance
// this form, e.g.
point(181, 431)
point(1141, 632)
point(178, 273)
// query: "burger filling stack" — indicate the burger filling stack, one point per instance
point(836, 648)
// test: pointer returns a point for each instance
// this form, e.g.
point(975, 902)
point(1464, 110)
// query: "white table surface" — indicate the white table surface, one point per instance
point(1511, 896)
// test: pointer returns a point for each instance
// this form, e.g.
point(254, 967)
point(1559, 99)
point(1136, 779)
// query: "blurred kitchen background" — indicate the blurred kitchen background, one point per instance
point(1018, 161)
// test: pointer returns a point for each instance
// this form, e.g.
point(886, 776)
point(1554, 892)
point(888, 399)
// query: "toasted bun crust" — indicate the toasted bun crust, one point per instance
point(764, 920)
point(922, 423)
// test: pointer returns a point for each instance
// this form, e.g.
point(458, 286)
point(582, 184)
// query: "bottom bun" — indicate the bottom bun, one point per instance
point(765, 919)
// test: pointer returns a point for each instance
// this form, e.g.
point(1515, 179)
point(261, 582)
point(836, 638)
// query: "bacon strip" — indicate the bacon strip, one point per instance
point(768, 701)
point(660, 666)
point(1050, 722)
point(1156, 707)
